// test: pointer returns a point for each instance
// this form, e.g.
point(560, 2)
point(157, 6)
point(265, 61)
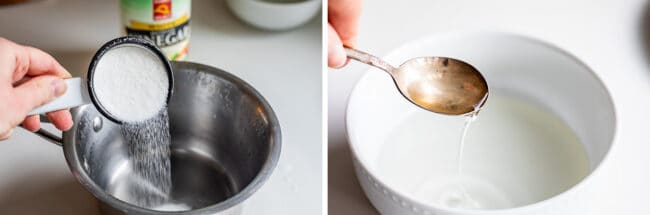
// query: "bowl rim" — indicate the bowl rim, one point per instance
point(516, 36)
point(75, 165)
point(282, 4)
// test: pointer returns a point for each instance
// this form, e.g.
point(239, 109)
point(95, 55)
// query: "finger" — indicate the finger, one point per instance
point(8, 59)
point(34, 62)
point(6, 134)
point(344, 15)
point(37, 91)
point(62, 119)
point(335, 54)
point(32, 123)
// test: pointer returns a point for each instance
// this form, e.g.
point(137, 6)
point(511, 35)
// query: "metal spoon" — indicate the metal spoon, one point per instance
point(438, 84)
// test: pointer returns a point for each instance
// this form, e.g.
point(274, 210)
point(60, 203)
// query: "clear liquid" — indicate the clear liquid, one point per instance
point(458, 196)
point(461, 147)
point(516, 154)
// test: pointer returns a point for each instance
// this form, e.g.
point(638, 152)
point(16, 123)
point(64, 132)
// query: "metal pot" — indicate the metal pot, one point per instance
point(225, 144)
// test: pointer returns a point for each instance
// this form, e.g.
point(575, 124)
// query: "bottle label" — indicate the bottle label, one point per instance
point(162, 9)
point(164, 22)
point(163, 34)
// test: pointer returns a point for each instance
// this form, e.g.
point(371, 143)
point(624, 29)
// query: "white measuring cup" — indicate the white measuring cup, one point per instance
point(81, 91)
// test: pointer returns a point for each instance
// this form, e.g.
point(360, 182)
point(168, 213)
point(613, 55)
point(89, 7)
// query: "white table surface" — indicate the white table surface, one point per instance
point(34, 178)
point(605, 34)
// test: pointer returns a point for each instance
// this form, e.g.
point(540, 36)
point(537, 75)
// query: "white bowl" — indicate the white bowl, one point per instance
point(272, 15)
point(534, 70)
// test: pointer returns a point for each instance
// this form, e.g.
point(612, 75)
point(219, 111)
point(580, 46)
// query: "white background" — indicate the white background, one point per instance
point(605, 34)
point(285, 67)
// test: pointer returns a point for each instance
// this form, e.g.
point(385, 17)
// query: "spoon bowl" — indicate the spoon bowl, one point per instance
point(442, 85)
point(437, 84)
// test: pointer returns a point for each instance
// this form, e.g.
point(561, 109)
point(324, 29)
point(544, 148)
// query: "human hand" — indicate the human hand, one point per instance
point(343, 23)
point(29, 78)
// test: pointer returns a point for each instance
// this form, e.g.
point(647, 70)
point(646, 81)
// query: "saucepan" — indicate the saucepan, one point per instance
point(225, 143)
point(527, 68)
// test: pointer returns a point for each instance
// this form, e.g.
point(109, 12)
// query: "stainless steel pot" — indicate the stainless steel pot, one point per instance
point(225, 144)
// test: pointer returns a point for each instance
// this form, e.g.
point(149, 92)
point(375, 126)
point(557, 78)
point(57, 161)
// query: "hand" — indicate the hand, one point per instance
point(29, 78)
point(342, 30)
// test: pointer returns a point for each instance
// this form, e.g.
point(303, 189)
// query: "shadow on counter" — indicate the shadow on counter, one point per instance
point(645, 32)
point(345, 196)
point(39, 194)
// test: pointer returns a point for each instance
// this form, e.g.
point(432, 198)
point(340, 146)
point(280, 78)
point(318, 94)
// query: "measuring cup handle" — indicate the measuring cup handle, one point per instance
point(49, 136)
point(75, 95)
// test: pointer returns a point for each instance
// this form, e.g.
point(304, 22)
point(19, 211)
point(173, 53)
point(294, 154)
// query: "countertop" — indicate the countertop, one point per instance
point(606, 34)
point(282, 66)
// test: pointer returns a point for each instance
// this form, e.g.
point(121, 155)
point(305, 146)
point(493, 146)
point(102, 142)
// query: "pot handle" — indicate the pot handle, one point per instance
point(49, 136)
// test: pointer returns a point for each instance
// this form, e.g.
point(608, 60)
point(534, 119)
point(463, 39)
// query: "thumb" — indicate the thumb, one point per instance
point(336, 57)
point(38, 91)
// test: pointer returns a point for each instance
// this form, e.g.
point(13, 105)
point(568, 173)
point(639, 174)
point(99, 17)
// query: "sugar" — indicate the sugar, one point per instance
point(149, 152)
point(131, 83)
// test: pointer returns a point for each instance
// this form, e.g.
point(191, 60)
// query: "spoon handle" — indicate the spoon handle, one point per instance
point(369, 59)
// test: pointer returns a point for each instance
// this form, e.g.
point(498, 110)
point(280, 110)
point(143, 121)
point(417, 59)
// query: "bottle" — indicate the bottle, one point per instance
point(165, 22)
